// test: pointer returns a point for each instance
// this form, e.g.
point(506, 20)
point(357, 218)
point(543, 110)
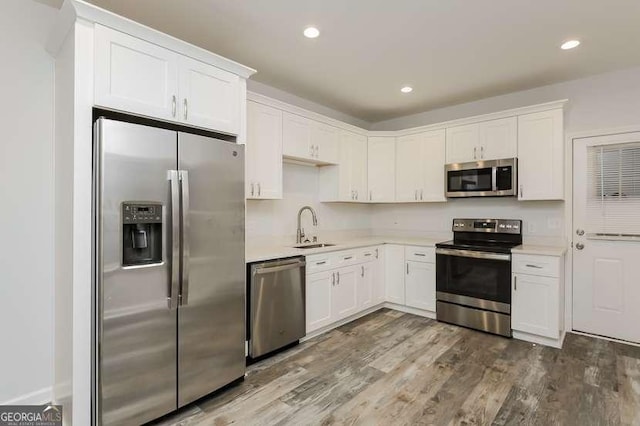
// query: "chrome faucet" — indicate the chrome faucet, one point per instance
point(300, 231)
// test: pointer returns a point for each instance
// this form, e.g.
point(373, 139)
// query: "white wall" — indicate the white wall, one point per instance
point(278, 218)
point(26, 218)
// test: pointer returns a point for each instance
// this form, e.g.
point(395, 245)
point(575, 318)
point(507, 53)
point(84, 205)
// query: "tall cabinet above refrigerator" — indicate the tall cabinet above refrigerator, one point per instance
point(170, 269)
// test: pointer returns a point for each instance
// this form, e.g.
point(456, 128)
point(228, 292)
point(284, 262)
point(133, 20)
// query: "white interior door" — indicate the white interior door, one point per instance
point(606, 236)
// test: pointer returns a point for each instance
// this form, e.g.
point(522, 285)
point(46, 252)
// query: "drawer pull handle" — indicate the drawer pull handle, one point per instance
point(367, 254)
point(321, 263)
point(534, 266)
point(419, 254)
point(348, 257)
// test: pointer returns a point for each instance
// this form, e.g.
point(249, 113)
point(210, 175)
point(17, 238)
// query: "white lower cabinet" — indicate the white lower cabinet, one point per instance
point(420, 285)
point(318, 295)
point(536, 295)
point(344, 297)
point(342, 284)
point(394, 274)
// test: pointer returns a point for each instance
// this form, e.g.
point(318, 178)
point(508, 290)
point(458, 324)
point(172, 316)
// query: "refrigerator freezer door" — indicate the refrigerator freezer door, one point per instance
point(211, 320)
point(136, 327)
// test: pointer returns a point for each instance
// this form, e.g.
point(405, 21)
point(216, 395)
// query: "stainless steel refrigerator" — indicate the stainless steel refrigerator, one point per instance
point(170, 269)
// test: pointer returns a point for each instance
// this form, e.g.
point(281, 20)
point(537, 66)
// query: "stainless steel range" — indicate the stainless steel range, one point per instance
point(473, 274)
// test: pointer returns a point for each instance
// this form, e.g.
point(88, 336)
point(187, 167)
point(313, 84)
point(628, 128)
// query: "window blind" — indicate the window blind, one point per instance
point(613, 190)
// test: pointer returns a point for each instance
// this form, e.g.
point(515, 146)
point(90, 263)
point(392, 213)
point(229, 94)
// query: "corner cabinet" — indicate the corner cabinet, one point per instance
point(308, 140)
point(346, 181)
point(420, 167)
point(536, 298)
point(541, 156)
point(135, 76)
point(381, 169)
point(263, 152)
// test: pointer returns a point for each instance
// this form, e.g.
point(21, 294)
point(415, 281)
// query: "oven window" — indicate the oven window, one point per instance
point(480, 278)
point(469, 180)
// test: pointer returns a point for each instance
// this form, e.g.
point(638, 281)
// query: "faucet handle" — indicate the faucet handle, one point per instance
point(315, 238)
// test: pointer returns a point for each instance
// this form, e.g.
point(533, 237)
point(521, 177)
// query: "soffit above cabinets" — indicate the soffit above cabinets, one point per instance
point(450, 52)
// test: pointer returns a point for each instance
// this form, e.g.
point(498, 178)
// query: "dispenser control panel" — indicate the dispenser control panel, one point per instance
point(141, 213)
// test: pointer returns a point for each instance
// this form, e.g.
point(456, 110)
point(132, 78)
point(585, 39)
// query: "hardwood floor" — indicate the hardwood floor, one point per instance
point(391, 368)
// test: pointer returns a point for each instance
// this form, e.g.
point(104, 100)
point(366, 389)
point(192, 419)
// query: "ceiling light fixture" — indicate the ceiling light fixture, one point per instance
point(406, 89)
point(311, 32)
point(570, 44)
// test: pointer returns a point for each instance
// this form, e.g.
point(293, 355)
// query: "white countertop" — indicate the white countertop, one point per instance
point(256, 253)
point(539, 250)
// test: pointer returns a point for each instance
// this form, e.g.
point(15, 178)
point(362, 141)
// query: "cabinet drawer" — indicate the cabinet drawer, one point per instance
point(318, 263)
point(367, 255)
point(545, 266)
point(347, 258)
point(420, 254)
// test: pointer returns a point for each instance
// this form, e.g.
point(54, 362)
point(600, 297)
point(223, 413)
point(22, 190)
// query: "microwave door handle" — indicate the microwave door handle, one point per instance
point(494, 179)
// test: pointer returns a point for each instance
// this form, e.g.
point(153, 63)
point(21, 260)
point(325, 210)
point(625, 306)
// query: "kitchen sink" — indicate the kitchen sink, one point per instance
point(314, 245)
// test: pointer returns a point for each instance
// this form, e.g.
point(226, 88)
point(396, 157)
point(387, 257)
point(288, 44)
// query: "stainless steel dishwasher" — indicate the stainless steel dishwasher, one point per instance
point(276, 305)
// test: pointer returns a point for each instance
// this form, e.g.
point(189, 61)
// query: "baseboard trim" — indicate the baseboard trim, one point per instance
point(410, 310)
point(540, 340)
point(343, 321)
point(39, 397)
point(610, 339)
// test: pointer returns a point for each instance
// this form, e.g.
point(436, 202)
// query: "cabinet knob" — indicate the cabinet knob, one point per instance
point(580, 232)
point(579, 246)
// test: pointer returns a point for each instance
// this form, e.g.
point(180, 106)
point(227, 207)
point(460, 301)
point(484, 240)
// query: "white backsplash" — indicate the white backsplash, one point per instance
point(277, 219)
point(543, 221)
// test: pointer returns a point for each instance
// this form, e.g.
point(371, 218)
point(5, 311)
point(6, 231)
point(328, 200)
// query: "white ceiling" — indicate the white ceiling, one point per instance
point(450, 51)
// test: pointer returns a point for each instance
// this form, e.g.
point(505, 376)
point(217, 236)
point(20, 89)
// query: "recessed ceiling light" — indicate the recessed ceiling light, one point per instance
point(311, 32)
point(406, 89)
point(570, 44)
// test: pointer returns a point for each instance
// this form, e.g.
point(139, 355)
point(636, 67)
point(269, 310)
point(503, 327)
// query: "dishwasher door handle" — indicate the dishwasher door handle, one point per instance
point(272, 269)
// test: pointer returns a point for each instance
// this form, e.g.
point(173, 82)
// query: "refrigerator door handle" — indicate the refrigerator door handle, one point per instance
point(174, 178)
point(184, 290)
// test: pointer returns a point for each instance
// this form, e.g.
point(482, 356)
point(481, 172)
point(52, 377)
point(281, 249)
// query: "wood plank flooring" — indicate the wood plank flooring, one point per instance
point(391, 368)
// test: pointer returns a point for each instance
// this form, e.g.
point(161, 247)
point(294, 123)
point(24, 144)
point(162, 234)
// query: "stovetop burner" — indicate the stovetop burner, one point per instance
point(491, 235)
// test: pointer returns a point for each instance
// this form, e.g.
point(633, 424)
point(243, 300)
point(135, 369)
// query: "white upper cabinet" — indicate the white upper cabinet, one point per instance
point(309, 140)
point(135, 76)
point(296, 136)
point(408, 167)
point(487, 140)
point(498, 139)
point(209, 96)
point(433, 159)
point(263, 152)
point(348, 180)
point(381, 168)
point(325, 142)
point(420, 167)
point(541, 156)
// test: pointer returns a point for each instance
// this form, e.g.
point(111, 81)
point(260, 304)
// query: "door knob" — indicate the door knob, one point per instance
point(579, 246)
point(580, 232)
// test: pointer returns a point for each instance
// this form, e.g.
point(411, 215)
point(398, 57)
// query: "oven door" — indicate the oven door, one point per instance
point(474, 278)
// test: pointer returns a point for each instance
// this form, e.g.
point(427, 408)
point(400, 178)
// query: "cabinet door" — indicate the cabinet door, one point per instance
point(365, 291)
point(344, 299)
point(498, 139)
point(463, 143)
point(381, 156)
point(394, 273)
point(358, 166)
point(324, 143)
point(409, 173)
point(319, 300)
point(535, 305)
point(541, 156)
point(379, 276)
point(263, 152)
point(420, 285)
point(296, 136)
point(209, 96)
point(135, 76)
point(432, 165)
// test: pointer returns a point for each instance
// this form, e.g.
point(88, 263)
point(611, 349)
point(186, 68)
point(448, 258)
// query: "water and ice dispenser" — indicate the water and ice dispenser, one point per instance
point(141, 233)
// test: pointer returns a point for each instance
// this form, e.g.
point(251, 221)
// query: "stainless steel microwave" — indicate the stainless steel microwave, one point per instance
point(493, 178)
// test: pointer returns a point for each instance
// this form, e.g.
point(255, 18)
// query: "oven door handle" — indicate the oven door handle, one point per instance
point(474, 254)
